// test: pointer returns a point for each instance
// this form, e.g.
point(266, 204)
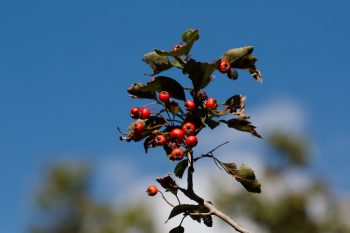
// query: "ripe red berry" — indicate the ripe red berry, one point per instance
point(134, 112)
point(188, 128)
point(144, 113)
point(164, 96)
point(211, 103)
point(137, 126)
point(224, 66)
point(152, 190)
point(178, 134)
point(160, 139)
point(191, 141)
point(176, 47)
point(177, 154)
point(190, 105)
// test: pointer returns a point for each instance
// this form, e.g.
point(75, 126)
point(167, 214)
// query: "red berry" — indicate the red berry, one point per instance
point(152, 190)
point(224, 66)
point(190, 105)
point(176, 47)
point(137, 126)
point(191, 141)
point(178, 134)
point(144, 113)
point(164, 96)
point(188, 128)
point(160, 139)
point(211, 103)
point(152, 79)
point(134, 112)
point(177, 154)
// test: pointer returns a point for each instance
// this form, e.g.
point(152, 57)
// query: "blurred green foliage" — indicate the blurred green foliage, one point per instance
point(66, 205)
point(291, 210)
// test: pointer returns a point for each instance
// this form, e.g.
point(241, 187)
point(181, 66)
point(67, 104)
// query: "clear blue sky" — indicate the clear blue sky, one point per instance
point(65, 66)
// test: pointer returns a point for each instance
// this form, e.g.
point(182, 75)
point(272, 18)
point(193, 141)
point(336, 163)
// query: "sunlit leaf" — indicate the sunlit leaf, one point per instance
point(245, 175)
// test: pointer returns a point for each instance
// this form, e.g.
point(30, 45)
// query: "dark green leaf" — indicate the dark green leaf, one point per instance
point(178, 229)
point(245, 175)
point(208, 220)
point(212, 123)
point(170, 85)
point(161, 83)
point(181, 168)
point(242, 125)
point(182, 208)
point(184, 50)
point(139, 90)
point(158, 63)
point(199, 73)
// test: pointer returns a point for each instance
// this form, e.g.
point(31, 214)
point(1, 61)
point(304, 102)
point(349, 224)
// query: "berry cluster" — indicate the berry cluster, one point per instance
point(173, 125)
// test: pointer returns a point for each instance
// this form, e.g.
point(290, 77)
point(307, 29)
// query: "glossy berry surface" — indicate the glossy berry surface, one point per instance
point(134, 112)
point(211, 103)
point(137, 126)
point(191, 141)
point(152, 190)
point(177, 154)
point(178, 134)
point(190, 105)
point(144, 113)
point(188, 128)
point(164, 96)
point(224, 66)
point(160, 139)
point(176, 47)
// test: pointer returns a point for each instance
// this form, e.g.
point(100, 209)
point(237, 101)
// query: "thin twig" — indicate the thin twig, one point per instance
point(166, 200)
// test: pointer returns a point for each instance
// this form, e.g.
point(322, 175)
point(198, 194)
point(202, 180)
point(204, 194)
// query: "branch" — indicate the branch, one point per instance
point(166, 200)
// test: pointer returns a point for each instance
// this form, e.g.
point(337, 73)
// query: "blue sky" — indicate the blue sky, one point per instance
point(65, 67)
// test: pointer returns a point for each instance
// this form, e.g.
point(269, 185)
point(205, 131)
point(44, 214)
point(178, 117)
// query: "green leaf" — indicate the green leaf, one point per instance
point(139, 90)
point(245, 175)
point(243, 58)
point(182, 208)
point(161, 83)
point(158, 63)
point(212, 123)
point(184, 50)
point(199, 73)
point(181, 168)
point(242, 125)
point(170, 85)
point(178, 229)
point(187, 35)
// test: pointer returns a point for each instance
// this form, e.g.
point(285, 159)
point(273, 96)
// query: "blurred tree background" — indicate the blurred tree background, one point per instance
point(66, 205)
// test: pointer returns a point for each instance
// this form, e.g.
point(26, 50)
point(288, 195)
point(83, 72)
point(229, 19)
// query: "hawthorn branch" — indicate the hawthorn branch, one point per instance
point(166, 200)
point(189, 192)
